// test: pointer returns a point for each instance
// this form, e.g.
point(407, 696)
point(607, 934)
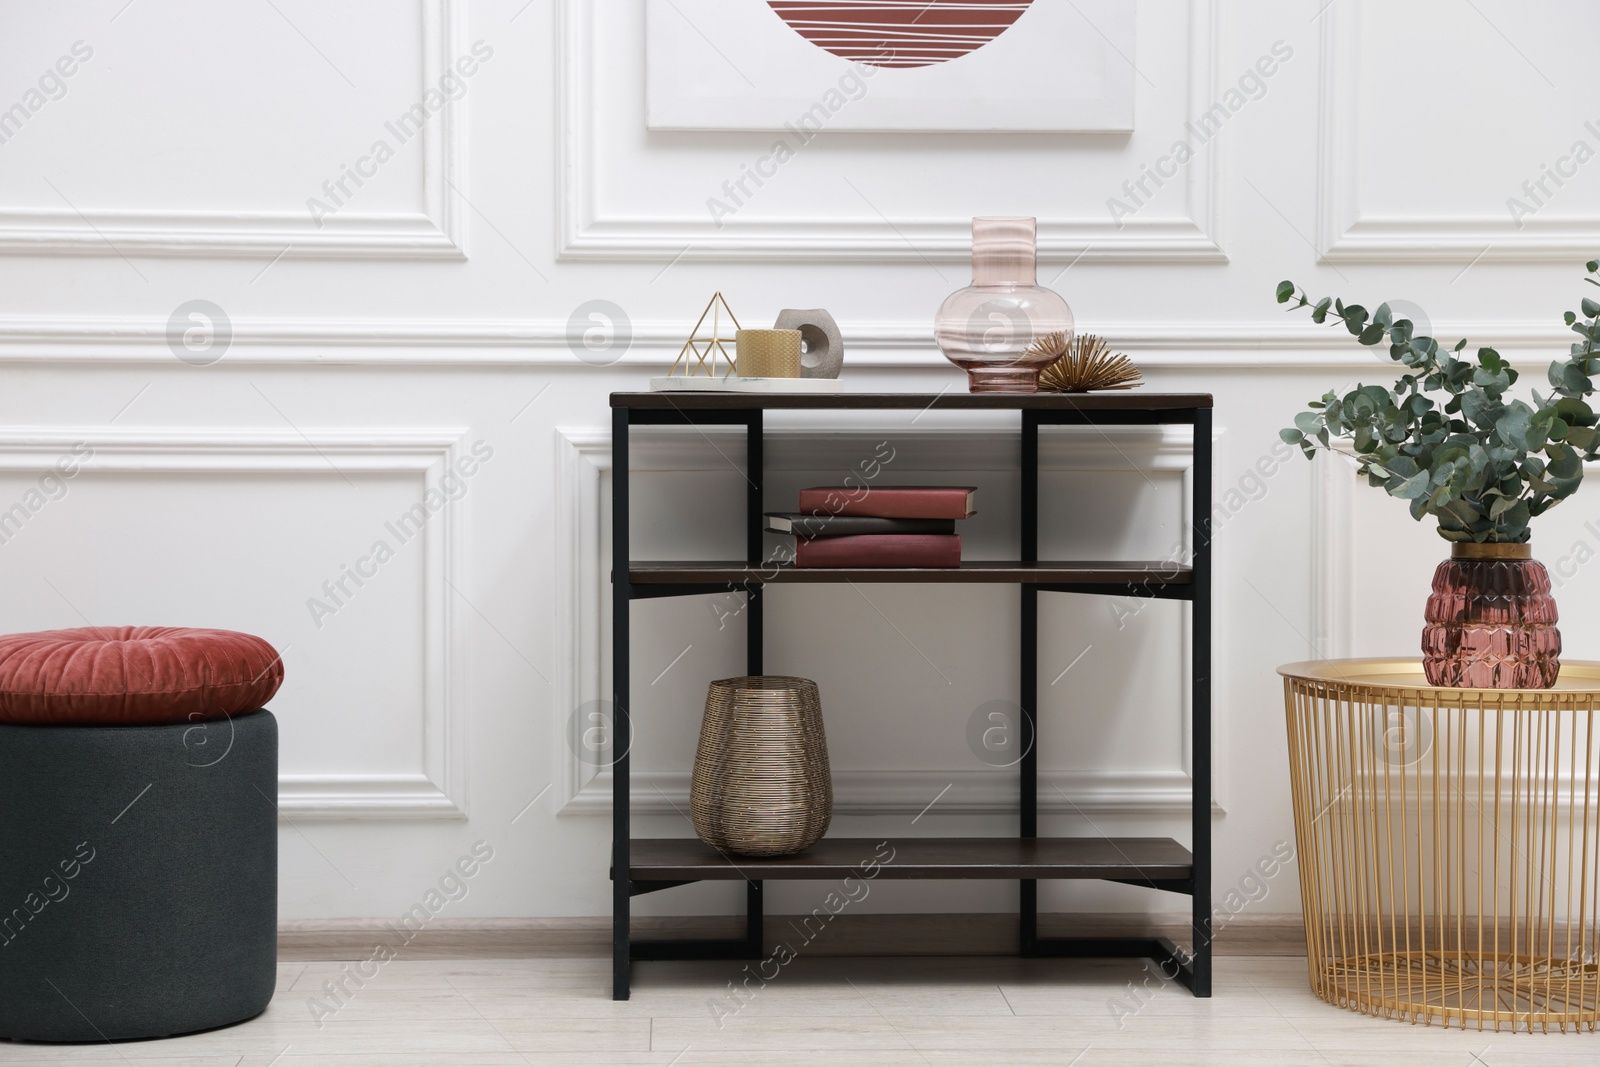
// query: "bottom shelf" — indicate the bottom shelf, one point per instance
point(1152, 859)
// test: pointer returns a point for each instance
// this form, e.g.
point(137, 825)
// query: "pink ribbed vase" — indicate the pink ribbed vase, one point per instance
point(1491, 621)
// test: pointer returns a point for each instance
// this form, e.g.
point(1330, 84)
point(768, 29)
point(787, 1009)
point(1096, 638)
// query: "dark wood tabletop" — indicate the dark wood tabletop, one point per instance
point(1130, 400)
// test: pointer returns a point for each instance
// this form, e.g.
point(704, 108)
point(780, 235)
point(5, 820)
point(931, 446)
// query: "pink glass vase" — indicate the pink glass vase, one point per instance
point(986, 328)
point(1491, 621)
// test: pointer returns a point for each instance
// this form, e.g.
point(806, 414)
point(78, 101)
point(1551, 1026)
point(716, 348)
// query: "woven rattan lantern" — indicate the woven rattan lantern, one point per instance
point(761, 781)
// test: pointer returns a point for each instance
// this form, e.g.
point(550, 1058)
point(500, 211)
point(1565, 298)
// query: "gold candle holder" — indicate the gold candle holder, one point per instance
point(768, 353)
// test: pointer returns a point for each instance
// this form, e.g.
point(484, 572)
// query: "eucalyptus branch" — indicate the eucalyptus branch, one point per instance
point(1481, 462)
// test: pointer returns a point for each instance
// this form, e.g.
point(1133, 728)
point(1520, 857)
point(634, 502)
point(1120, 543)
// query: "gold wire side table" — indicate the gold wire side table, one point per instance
point(1448, 849)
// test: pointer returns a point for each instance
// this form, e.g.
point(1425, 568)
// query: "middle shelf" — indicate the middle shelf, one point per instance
point(1152, 859)
point(1153, 577)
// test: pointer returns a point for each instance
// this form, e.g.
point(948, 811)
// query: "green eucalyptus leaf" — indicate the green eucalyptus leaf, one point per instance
point(1515, 519)
point(1565, 463)
point(1586, 438)
point(1495, 381)
point(1481, 408)
point(1404, 466)
point(1412, 487)
point(1514, 424)
point(1285, 291)
point(1569, 380)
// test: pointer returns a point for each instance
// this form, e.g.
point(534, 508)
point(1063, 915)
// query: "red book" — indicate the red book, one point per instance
point(879, 550)
point(891, 501)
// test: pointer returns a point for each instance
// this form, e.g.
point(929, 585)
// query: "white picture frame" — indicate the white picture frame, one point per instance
point(1062, 66)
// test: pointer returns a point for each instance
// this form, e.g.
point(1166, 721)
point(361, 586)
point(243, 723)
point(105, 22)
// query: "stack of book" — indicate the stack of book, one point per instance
point(884, 526)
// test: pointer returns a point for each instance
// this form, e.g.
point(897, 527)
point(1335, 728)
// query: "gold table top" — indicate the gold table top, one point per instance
point(1405, 675)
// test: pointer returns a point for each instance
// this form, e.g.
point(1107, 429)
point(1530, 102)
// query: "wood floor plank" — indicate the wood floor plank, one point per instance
point(819, 1013)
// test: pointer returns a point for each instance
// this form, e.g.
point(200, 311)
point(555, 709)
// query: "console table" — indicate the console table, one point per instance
point(649, 865)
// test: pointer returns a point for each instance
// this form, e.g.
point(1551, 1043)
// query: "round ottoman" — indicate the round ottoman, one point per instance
point(138, 847)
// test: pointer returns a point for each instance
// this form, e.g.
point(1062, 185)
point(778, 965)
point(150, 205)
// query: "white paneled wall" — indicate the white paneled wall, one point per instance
point(403, 212)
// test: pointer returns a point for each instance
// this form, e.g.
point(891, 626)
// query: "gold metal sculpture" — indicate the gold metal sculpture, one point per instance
point(1082, 364)
point(1449, 844)
point(704, 348)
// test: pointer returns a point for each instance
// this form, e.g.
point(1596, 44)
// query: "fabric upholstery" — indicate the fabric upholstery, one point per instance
point(134, 675)
point(138, 878)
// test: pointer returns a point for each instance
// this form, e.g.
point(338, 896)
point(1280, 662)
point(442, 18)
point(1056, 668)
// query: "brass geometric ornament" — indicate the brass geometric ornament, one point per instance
point(707, 348)
point(1082, 364)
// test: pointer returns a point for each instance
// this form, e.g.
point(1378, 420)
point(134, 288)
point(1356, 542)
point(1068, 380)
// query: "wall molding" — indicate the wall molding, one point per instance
point(432, 233)
point(439, 788)
point(583, 457)
point(1346, 235)
point(883, 344)
point(585, 233)
point(387, 796)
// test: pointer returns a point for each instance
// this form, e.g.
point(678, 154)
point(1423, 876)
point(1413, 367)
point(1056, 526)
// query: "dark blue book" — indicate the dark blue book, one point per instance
point(808, 527)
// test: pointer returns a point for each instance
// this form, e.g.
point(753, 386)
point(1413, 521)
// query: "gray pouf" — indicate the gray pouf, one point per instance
point(138, 877)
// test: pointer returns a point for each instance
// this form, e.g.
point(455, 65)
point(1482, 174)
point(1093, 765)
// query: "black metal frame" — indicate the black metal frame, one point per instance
point(1195, 971)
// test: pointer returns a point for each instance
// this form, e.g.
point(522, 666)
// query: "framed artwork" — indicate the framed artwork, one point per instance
point(945, 65)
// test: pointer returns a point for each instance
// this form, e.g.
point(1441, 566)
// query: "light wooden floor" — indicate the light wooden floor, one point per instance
point(878, 1013)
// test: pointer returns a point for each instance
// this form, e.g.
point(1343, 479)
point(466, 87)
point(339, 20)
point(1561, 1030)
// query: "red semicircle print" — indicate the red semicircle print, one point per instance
point(900, 33)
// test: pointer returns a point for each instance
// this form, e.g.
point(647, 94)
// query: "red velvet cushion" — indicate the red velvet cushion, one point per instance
point(133, 675)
